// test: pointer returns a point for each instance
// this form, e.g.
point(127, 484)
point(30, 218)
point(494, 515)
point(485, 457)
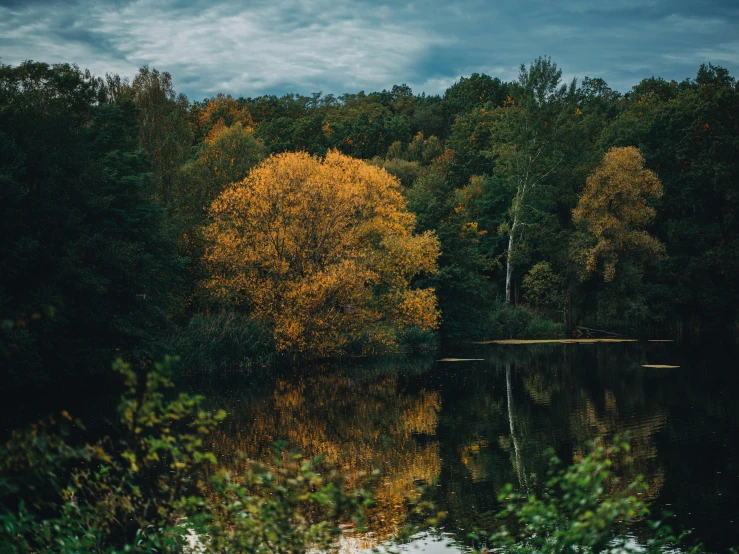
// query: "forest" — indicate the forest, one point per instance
point(250, 235)
point(137, 222)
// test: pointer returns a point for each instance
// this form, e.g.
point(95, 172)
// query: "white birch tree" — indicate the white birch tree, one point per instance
point(526, 146)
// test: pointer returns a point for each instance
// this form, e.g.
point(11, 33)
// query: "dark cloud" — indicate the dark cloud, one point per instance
point(336, 46)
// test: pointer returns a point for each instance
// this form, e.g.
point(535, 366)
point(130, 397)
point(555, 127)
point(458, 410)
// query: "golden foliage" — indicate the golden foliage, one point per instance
point(359, 425)
point(322, 250)
point(615, 210)
point(221, 111)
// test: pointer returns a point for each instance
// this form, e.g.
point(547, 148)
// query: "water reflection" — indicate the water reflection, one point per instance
point(465, 429)
point(360, 422)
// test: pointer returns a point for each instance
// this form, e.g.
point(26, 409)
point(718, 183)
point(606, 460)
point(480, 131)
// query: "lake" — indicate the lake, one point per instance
point(463, 429)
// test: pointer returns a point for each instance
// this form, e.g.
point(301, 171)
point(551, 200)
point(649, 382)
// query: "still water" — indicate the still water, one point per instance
point(465, 428)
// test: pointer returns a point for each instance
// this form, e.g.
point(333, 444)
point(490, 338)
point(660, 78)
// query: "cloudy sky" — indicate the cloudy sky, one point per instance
point(254, 47)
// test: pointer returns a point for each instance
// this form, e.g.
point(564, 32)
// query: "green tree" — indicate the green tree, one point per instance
point(462, 283)
point(164, 130)
point(470, 140)
point(471, 92)
point(224, 158)
point(529, 146)
point(83, 241)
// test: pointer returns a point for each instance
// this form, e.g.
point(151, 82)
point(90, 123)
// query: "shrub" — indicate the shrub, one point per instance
point(406, 172)
point(415, 338)
point(540, 285)
point(225, 340)
point(580, 509)
point(520, 322)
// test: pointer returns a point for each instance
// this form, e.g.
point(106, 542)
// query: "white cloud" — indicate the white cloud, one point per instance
point(335, 46)
point(718, 55)
point(246, 50)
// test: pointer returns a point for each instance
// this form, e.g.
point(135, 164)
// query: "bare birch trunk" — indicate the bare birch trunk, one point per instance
point(509, 269)
point(509, 255)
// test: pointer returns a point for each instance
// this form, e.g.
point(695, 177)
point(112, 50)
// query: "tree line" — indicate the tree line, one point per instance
point(527, 207)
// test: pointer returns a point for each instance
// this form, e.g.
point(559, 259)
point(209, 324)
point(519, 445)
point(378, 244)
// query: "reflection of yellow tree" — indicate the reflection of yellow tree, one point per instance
point(360, 426)
point(588, 423)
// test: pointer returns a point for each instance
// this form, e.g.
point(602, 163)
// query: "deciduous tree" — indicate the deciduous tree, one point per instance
point(221, 111)
point(529, 143)
point(614, 208)
point(164, 132)
point(323, 251)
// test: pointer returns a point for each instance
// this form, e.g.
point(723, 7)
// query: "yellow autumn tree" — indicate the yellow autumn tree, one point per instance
point(323, 251)
point(220, 111)
point(614, 210)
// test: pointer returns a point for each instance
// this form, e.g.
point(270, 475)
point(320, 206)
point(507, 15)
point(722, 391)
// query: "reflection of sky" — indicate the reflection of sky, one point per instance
point(435, 544)
point(336, 46)
point(428, 543)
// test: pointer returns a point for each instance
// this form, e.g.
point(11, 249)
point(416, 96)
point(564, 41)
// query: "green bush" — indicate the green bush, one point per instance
point(414, 339)
point(581, 509)
point(541, 286)
point(521, 322)
point(153, 488)
point(225, 340)
point(406, 172)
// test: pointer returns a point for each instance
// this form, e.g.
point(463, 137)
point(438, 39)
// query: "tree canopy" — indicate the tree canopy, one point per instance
point(615, 209)
point(323, 250)
point(87, 268)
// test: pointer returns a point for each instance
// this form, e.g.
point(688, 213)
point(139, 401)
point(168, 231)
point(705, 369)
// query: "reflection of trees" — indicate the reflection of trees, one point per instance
point(517, 461)
point(590, 422)
point(542, 386)
point(557, 396)
point(498, 423)
point(616, 400)
point(360, 425)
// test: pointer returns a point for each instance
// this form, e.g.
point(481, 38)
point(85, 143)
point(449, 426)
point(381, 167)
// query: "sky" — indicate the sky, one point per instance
point(250, 48)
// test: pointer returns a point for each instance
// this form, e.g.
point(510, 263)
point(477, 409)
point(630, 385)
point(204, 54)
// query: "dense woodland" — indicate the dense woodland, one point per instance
point(520, 209)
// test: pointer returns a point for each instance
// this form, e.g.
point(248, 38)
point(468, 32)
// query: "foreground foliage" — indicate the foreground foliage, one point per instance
point(153, 485)
point(582, 508)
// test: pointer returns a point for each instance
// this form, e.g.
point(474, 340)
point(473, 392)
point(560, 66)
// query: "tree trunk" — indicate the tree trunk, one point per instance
point(509, 265)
